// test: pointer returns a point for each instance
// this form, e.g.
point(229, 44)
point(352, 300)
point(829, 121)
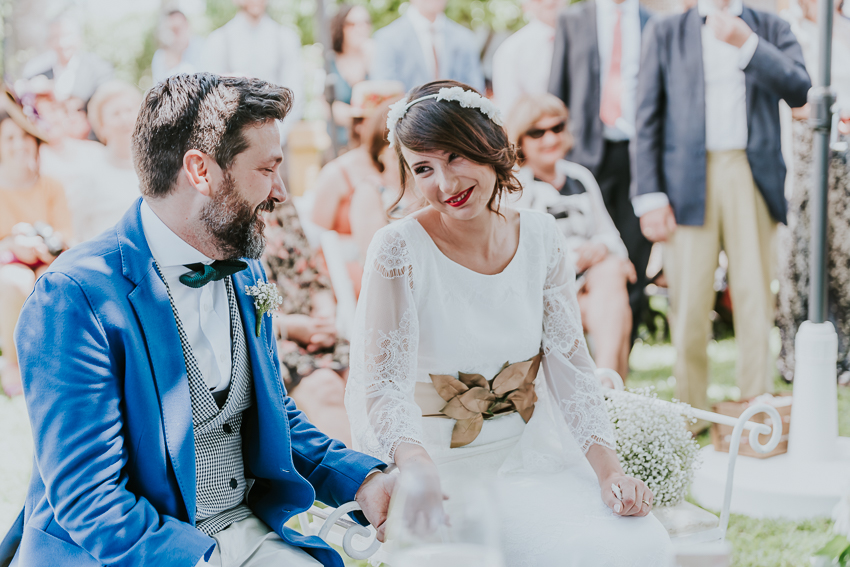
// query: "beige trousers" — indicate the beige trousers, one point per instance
point(251, 543)
point(738, 222)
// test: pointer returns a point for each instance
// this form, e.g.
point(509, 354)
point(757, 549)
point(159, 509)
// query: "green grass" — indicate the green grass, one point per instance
point(775, 543)
point(755, 543)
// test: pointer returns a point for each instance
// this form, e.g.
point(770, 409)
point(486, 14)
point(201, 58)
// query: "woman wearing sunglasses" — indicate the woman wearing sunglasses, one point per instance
point(537, 125)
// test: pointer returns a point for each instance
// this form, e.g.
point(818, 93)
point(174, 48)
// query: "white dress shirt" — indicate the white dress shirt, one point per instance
point(521, 65)
point(267, 51)
point(426, 33)
point(204, 311)
point(606, 17)
point(725, 96)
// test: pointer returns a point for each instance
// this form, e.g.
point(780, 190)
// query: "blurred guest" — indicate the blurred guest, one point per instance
point(521, 65)
point(180, 52)
point(315, 358)
point(69, 155)
point(111, 185)
point(366, 96)
point(803, 17)
point(75, 72)
point(424, 45)
point(537, 125)
point(34, 222)
point(710, 175)
point(339, 179)
point(377, 200)
point(795, 242)
point(254, 45)
point(594, 71)
point(351, 31)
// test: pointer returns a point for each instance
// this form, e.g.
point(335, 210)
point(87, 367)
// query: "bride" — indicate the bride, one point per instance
point(462, 302)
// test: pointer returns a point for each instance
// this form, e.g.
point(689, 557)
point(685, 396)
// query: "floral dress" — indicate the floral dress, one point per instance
point(291, 264)
point(794, 252)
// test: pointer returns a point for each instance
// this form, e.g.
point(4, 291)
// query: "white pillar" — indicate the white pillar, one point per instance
point(814, 414)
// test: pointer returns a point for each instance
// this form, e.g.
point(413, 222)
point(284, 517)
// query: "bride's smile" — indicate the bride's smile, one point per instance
point(460, 199)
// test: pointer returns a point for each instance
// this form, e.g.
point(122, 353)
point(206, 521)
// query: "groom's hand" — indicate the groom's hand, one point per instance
point(374, 499)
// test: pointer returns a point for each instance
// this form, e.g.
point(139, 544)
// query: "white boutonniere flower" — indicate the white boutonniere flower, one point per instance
point(266, 300)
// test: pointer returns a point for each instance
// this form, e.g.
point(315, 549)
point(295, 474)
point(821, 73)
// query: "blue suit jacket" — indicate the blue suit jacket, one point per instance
point(108, 397)
point(575, 79)
point(669, 153)
point(398, 56)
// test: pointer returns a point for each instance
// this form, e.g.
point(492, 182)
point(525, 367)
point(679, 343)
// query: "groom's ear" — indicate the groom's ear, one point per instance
point(197, 169)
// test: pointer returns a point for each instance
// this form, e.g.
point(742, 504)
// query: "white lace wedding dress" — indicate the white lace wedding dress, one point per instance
point(420, 313)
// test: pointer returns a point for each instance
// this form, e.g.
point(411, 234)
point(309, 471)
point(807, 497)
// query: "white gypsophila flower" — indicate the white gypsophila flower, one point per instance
point(266, 300)
point(654, 444)
point(841, 517)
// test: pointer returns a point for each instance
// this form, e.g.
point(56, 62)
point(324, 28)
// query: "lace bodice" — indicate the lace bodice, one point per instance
point(420, 313)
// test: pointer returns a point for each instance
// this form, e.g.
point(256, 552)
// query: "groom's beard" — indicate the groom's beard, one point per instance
point(234, 225)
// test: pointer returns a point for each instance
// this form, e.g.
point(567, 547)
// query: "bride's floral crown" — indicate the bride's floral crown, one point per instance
point(467, 99)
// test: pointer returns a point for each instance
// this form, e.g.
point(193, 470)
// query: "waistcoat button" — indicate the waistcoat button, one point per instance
point(233, 483)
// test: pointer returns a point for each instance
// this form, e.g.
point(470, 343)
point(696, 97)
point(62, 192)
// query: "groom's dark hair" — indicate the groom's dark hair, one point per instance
point(202, 112)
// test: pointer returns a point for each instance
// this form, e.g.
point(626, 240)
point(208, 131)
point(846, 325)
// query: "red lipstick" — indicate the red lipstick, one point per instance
point(461, 198)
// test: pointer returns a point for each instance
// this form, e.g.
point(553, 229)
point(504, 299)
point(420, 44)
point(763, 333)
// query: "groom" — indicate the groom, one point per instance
point(163, 435)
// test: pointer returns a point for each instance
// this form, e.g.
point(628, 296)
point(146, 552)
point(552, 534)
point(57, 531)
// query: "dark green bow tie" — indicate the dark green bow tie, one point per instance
point(202, 274)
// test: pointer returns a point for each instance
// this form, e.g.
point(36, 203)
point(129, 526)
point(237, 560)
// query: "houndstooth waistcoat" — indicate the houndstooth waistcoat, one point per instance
point(219, 470)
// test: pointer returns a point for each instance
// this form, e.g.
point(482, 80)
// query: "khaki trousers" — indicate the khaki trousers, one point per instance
point(737, 221)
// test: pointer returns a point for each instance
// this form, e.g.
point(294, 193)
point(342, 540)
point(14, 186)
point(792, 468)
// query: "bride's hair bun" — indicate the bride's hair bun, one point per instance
point(433, 125)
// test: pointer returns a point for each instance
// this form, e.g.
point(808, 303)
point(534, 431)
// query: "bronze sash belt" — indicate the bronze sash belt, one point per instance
point(470, 398)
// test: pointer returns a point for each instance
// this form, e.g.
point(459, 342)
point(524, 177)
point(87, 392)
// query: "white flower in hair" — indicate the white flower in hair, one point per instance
point(471, 99)
point(467, 99)
point(396, 113)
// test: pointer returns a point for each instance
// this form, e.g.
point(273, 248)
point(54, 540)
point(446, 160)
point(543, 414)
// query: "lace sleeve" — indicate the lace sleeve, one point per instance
point(381, 381)
point(567, 365)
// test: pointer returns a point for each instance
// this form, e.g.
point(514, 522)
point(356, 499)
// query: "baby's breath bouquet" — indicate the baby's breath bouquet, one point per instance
point(654, 444)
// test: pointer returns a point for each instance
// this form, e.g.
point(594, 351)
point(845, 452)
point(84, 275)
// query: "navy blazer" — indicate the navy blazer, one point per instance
point(669, 153)
point(108, 397)
point(575, 79)
point(398, 56)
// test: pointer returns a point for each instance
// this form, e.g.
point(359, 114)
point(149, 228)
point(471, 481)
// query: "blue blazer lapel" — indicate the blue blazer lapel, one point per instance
point(150, 302)
point(267, 381)
point(749, 79)
point(644, 17)
point(690, 46)
point(595, 71)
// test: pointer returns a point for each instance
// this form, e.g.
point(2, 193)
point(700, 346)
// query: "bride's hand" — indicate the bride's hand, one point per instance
point(423, 511)
point(636, 496)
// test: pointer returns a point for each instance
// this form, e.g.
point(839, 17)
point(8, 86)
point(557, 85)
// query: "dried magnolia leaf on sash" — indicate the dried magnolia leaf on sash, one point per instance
point(455, 410)
point(511, 377)
point(472, 399)
point(447, 386)
point(477, 399)
point(473, 380)
point(466, 430)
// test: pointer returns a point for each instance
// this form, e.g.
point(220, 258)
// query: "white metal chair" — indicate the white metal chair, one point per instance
point(334, 526)
point(689, 524)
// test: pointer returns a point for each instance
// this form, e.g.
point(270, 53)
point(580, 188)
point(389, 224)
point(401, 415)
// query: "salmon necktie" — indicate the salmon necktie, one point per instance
point(609, 108)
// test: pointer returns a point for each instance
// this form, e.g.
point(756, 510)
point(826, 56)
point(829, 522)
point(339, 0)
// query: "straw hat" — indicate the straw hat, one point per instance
point(104, 93)
point(10, 105)
point(367, 96)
